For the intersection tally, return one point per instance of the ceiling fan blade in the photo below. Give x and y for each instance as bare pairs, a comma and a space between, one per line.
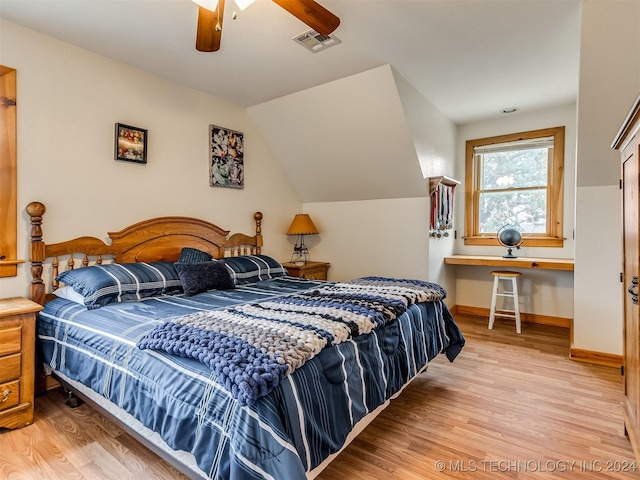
209, 31
311, 13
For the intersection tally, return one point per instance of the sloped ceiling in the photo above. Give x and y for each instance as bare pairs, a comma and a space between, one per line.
432, 133
471, 58
358, 136
344, 140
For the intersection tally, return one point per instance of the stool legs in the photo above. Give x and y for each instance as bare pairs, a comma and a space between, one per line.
494, 295
515, 313
516, 303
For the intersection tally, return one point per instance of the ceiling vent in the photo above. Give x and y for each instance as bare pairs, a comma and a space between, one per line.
314, 41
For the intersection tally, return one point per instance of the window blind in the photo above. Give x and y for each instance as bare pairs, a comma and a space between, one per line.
534, 143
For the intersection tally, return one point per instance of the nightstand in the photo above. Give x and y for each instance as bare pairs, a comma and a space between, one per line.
17, 361
310, 270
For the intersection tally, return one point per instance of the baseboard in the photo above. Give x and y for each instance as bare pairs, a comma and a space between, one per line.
524, 317
597, 358
577, 354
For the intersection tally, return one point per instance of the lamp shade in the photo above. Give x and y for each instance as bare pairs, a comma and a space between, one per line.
302, 225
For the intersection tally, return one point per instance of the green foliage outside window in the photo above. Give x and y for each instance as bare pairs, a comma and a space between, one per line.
514, 189
515, 180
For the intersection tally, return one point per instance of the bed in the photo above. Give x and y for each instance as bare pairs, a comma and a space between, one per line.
203, 348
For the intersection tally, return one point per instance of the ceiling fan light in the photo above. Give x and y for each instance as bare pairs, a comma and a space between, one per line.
242, 4
208, 4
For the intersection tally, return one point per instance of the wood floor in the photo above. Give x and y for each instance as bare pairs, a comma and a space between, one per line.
510, 407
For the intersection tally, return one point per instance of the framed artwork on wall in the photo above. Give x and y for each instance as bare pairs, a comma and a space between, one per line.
226, 162
131, 143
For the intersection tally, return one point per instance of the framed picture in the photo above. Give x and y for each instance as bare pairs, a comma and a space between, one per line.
131, 143
226, 165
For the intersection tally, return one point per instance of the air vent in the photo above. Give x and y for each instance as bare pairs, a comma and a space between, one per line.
314, 41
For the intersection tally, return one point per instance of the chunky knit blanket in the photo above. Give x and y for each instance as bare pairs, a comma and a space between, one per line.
251, 347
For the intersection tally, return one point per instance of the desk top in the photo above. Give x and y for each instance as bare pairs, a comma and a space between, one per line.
521, 262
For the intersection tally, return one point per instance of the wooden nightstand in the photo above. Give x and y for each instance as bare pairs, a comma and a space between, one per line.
17, 361
311, 270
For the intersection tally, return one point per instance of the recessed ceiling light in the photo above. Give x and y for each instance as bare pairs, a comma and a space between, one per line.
509, 110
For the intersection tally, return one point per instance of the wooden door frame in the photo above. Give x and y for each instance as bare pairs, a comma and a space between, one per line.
8, 173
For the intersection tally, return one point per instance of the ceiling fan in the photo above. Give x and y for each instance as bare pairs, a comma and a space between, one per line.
211, 12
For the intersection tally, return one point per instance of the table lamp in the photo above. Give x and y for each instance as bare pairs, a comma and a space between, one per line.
301, 226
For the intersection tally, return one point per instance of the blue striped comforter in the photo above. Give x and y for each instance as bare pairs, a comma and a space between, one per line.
284, 434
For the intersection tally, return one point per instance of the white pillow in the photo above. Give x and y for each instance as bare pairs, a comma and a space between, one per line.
69, 293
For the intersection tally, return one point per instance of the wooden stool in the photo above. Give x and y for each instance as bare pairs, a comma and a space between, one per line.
513, 293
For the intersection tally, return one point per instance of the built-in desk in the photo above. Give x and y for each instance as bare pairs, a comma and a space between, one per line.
520, 262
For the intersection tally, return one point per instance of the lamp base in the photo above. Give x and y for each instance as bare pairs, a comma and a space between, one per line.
300, 255
299, 259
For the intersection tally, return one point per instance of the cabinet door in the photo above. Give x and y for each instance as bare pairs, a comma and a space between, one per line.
631, 253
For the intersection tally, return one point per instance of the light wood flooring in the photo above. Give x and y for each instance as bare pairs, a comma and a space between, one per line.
510, 407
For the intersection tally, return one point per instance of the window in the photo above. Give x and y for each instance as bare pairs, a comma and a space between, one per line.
515, 180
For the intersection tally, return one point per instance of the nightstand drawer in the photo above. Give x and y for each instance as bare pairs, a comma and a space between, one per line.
309, 270
10, 367
17, 361
10, 340
315, 273
9, 394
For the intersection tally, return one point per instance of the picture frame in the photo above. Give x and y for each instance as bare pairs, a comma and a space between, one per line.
130, 143
226, 160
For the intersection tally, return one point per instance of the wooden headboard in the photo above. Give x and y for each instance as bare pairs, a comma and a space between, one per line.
153, 240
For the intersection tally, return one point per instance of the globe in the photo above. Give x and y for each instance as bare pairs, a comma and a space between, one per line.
510, 237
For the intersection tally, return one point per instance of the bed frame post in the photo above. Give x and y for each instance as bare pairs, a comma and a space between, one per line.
258, 218
36, 252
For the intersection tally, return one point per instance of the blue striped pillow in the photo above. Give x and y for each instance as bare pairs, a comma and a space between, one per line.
193, 255
253, 268
101, 285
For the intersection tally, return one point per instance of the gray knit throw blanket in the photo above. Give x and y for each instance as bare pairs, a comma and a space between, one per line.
251, 347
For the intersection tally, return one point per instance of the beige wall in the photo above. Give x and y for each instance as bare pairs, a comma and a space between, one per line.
609, 84
434, 140
68, 102
388, 235
543, 292
372, 237
333, 136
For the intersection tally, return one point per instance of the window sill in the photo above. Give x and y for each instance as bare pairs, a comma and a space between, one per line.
553, 242
520, 262
9, 268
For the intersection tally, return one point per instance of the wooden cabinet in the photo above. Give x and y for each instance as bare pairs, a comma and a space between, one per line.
310, 270
628, 142
17, 360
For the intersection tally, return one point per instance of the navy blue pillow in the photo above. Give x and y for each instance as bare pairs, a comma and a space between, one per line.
101, 285
202, 276
253, 268
193, 255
